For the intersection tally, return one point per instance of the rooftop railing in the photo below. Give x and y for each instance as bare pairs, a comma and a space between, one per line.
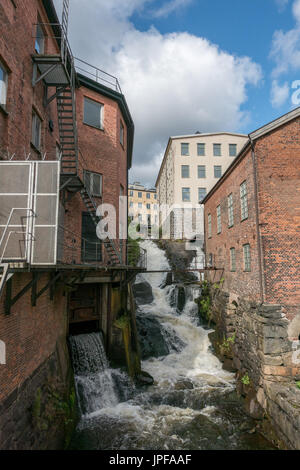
96, 74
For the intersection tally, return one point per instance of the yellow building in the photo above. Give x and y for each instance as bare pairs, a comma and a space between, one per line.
142, 204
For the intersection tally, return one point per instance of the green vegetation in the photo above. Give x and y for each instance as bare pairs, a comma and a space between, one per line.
204, 302
246, 379
298, 384
227, 343
219, 284
122, 322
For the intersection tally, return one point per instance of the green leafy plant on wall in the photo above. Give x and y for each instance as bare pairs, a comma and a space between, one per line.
298, 384
204, 302
227, 343
246, 379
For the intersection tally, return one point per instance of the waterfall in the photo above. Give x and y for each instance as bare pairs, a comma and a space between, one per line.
192, 404
93, 378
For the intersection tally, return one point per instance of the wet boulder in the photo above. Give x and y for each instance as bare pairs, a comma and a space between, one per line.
142, 292
151, 338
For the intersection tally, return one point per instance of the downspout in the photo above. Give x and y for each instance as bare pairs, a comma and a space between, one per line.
258, 234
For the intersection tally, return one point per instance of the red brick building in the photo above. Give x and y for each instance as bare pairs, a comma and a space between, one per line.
66, 144
252, 222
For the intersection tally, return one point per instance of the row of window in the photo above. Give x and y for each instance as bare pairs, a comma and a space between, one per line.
185, 171
147, 218
201, 150
140, 195
186, 194
230, 209
140, 205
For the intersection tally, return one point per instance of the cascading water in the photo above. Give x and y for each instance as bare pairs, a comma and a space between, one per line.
192, 404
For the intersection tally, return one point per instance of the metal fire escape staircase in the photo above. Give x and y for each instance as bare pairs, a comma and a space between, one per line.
59, 72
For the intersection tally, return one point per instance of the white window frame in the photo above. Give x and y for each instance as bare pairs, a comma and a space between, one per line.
36, 132
202, 146
90, 183
230, 211
188, 149
244, 200
230, 146
219, 219
198, 171
232, 260
209, 226
215, 167
183, 169
199, 194
101, 106
217, 146
3, 86
247, 257
189, 193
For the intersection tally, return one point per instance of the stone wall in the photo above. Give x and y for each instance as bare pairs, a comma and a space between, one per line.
252, 340
41, 413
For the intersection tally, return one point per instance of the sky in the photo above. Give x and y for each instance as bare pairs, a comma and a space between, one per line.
192, 65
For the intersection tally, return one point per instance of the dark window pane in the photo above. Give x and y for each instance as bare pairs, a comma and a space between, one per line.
92, 113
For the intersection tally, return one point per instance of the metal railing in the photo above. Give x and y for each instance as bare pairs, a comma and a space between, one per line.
15, 231
96, 74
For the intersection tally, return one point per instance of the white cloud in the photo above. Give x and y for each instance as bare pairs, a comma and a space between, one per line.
170, 7
285, 49
174, 83
279, 93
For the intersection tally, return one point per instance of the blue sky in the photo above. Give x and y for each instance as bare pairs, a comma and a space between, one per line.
191, 65
241, 27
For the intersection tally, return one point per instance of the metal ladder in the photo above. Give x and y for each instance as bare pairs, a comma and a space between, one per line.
66, 108
111, 250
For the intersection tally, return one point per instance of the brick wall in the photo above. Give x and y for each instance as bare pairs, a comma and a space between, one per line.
241, 283
16, 47
278, 167
30, 333
102, 153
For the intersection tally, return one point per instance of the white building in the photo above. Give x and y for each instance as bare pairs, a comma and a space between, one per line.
191, 166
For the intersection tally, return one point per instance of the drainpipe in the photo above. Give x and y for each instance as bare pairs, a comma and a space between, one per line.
258, 234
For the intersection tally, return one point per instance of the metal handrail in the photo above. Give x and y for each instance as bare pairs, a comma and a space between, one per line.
10, 217
7, 240
98, 74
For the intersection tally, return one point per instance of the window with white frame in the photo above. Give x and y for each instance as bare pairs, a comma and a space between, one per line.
201, 194
232, 260
186, 194
217, 150
140, 195
185, 149
148, 206
244, 200
247, 257
3, 85
217, 171
209, 225
201, 150
140, 205
201, 171
93, 113
39, 40
131, 193
148, 195
93, 183
131, 204
185, 171
219, 220
230, 210
232, 150
36, 130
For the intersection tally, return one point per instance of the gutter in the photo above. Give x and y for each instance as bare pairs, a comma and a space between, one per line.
258, 234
